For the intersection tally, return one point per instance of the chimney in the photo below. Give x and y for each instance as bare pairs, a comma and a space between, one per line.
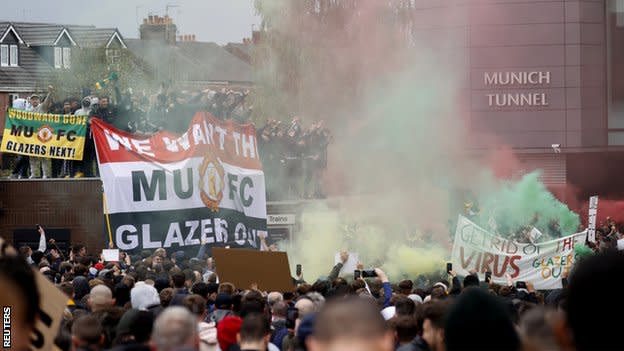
256, 37
158, 28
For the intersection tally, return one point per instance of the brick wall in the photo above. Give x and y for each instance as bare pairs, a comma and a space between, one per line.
74, 204
4, 102
64, 204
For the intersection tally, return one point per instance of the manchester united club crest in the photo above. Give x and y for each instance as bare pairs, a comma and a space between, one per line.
45, 133
211, 182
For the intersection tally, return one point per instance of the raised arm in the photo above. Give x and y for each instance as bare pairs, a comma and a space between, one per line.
42, 239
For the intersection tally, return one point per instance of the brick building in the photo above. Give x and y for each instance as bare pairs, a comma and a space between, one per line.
545, 78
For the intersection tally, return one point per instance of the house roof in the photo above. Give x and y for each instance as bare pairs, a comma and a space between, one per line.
217, 63
241, 50
37, 34
11, 29
46, 34
33, 73
191, 61
95, 37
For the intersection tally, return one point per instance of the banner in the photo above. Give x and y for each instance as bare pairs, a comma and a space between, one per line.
591, 219
179, 191
44, 135
543, 264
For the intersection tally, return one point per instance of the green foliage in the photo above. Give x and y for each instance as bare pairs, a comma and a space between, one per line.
90, 65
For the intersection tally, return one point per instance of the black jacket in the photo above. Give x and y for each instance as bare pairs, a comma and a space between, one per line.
130, 347
418, 344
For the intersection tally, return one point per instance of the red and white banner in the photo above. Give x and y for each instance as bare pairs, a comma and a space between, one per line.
169, 190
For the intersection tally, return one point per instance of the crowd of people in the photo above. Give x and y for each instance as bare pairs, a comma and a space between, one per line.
293, 156
166, 301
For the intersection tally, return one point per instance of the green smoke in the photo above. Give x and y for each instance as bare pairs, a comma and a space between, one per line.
516, 204
400, 152
324, 231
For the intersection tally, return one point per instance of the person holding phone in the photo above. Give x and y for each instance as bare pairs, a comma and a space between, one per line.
299, 275
455, 287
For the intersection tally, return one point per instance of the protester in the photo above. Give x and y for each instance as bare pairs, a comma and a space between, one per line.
38, 165
293, 158
352, 324
292, 154
131, 112
254, 333
20, 293
175, 329
207, 331
87, 334
225, 317
100, 298
583, 318
134, 331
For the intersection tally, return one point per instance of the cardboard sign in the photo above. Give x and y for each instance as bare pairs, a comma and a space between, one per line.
270, 270
110, 255
591, 219
349, 266
534, 234
51, 306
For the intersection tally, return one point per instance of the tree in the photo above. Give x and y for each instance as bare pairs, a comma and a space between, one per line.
91, 65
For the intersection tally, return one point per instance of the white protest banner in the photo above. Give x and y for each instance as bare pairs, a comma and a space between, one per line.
349, 266
110, 255
543, 264
591, 219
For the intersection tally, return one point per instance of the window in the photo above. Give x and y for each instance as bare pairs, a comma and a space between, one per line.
113, 56
4, 55
9, 55
13, 55
66, 57
62, 57
58, 57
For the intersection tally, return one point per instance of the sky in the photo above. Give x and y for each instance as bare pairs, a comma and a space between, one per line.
221, 21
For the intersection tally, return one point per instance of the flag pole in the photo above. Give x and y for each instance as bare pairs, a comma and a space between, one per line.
108, 227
